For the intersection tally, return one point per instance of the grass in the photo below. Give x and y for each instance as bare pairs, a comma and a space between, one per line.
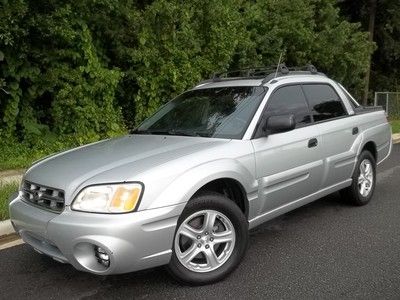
18, 161
395, 126
16, 155
20, 156
6, 190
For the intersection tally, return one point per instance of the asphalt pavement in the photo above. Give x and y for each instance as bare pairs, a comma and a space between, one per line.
325, 250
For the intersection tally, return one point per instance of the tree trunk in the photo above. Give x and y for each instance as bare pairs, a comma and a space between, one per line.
371, 26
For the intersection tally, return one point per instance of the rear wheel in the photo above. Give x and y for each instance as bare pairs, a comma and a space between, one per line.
210, 240
364, 179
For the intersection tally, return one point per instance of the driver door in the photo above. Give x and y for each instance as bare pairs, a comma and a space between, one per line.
289, 165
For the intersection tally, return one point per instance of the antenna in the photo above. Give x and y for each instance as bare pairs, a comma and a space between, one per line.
279, 63
8, 93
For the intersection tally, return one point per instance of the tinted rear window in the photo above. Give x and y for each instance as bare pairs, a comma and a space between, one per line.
324, 102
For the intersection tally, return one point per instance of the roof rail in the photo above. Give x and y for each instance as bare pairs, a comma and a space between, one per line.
250, 72
282, 70
266, 73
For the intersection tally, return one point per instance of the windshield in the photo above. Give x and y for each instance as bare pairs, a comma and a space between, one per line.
215, 112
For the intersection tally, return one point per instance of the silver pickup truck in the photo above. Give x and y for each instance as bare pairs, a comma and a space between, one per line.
184, 188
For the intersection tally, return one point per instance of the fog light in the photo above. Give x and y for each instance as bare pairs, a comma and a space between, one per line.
102, 256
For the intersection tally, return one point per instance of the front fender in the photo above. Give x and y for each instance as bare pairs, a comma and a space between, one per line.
188, 183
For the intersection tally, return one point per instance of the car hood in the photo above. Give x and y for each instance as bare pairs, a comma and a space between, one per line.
115, 160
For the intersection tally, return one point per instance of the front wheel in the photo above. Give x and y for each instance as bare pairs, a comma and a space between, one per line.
210, 240
364, 179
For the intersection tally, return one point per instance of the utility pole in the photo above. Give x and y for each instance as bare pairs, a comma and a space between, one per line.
371, 26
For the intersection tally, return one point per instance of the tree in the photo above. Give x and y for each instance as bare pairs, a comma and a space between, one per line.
91, 69
385, 61
52, 69
371, 28
310, 31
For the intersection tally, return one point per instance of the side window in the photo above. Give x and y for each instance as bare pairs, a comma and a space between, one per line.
324, 102
289, 100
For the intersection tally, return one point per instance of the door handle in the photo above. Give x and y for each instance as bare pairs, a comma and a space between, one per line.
312, 143
355, 131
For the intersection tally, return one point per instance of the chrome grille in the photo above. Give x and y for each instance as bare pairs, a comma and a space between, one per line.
43, 196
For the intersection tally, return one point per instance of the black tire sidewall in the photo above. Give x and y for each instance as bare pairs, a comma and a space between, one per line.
234, 214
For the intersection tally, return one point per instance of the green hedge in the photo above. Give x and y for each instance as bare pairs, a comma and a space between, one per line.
91, 69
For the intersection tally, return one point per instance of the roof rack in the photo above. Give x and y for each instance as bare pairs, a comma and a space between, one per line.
265, 73
251, 72
282, 70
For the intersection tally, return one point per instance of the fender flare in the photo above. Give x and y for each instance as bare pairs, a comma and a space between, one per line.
187, 184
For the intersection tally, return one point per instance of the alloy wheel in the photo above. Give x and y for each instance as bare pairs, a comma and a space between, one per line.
366, 178
204, 241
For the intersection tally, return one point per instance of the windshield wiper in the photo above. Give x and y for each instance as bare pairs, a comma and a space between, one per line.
183, 133
166, 132
137, 131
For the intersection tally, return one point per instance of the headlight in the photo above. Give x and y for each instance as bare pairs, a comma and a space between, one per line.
109, 198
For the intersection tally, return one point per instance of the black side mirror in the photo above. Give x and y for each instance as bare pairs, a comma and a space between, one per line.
282, 123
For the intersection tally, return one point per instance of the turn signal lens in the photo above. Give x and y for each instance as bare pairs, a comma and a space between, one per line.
125, 199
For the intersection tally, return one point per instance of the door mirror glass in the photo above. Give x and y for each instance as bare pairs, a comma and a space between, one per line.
282, 123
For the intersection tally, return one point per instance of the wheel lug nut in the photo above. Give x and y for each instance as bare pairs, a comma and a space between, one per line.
198, 237
206, 233
207, 246
199, 245
211, 239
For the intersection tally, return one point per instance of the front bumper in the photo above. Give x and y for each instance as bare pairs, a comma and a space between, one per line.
133, 241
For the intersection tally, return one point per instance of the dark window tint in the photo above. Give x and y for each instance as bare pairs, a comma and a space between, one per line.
289, 100
324, 102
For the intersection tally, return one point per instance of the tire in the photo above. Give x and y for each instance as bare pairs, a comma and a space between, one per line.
203, 268
354, 194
